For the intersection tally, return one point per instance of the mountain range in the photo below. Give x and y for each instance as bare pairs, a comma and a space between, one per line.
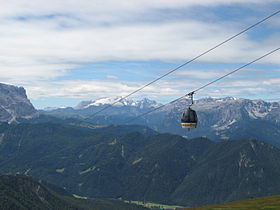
218, 119
84, 154
118, 102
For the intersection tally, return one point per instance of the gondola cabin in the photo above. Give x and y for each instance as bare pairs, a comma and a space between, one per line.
189, 119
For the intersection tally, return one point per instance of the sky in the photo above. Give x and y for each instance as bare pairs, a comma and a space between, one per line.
66, 51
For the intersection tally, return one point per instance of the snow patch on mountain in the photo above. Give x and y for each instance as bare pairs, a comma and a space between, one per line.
119, 102
260, 109
224, 126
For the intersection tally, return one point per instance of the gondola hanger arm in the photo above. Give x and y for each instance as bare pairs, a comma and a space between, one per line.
191, 96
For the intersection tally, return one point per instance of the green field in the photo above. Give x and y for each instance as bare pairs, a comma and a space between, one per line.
155, 205
270, 202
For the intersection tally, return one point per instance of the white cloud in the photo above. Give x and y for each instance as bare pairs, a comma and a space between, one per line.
42, 40
112, 77
105, 6
93, 89
200, 73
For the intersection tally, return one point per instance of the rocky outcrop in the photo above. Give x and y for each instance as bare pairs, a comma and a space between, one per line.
14, 104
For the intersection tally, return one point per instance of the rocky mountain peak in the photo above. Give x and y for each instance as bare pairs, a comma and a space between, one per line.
14, 104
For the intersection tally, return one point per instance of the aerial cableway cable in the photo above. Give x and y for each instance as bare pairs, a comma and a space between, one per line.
188, 62
204, 86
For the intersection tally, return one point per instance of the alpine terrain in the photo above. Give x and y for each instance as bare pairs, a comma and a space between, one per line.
112, 162
219, 119
86, 156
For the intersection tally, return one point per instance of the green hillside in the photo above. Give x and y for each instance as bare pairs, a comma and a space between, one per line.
270, 202
23, 193
130, 163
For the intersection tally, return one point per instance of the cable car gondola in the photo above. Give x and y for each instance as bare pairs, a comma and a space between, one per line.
189, 118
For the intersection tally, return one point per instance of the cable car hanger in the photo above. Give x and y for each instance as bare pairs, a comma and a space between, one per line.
189, 117
191, 96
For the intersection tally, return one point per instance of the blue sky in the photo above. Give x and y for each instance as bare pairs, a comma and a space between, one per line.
63, 52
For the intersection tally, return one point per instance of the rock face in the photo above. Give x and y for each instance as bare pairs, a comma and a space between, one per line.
14, 104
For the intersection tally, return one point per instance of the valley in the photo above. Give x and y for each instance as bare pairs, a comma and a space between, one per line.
135, 165
21, 192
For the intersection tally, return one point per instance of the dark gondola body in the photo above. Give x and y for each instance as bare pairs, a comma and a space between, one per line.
189, 119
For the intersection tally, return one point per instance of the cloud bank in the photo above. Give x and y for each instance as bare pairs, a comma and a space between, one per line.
42, 41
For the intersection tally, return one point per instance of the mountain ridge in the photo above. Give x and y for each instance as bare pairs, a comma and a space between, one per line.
23, 193
218, 119
14, 104
118, 101
162, 168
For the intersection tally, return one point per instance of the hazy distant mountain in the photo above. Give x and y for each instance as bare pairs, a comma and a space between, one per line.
14, 104
89, 107
141, 104
119, 112
219, 119
115, 162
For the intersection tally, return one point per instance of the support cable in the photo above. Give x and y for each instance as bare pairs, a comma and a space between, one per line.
204, 86
184, 64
